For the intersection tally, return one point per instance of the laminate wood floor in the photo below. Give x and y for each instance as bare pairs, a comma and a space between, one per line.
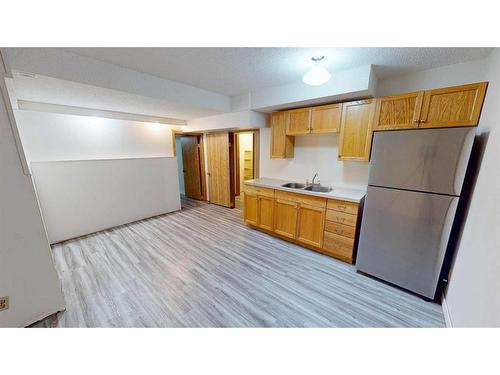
202, 267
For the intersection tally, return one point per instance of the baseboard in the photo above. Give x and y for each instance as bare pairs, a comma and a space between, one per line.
446, 313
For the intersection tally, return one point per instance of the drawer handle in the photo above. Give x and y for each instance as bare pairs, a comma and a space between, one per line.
343, 208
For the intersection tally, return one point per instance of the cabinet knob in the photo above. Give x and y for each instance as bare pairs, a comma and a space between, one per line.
421, 121
416, 121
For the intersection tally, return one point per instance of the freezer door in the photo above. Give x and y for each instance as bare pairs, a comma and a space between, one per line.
403, 237
431, 160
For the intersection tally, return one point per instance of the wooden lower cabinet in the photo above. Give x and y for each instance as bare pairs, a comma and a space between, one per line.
250, 207
285, 218
341, 227
339, 246
310, 224
328, 226
265, 212
259, 207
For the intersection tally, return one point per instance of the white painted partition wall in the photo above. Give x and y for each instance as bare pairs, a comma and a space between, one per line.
27, 273
82, 197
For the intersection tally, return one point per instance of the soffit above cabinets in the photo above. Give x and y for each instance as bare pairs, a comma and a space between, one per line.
347, 85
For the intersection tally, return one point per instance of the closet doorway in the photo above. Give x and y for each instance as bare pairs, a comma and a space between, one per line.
191, 165
246, 165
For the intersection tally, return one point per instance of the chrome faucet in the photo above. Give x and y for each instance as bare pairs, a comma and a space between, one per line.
314, 178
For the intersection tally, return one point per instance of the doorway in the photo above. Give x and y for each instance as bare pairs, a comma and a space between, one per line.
246, 161
220, 164
232, 158
191, 165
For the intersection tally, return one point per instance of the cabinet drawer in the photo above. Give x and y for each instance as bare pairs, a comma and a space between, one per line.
343, 206
258, 191
338, 245
301, 198
340, 229
341, 217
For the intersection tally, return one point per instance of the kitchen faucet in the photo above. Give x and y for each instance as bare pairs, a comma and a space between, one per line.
314, 178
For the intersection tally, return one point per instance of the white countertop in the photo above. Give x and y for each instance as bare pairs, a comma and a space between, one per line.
345, 194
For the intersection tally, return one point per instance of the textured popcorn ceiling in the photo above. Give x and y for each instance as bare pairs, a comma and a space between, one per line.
234, 71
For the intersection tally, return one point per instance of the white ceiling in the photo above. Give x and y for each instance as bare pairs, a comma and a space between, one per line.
234, 71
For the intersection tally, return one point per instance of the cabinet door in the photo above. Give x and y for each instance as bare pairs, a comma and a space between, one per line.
326, 118
285, 218
356, 130
310, 225
281, 144
299, 121
398, 111
453, 106
250, 209
266, 212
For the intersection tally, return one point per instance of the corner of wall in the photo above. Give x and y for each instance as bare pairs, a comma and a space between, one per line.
446, 313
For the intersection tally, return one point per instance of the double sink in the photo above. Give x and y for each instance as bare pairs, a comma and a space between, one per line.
315, 187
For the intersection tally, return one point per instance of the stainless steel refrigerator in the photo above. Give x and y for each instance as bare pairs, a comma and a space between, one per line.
415, 181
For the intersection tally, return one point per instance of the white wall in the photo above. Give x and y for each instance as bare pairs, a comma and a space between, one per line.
79, 192
50, 136
231, 120
451, 75
81, 197
27, 273
473, 294
313, 153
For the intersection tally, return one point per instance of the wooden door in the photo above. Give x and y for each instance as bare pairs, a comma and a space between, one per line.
398, 111
326, 118
299, 121
310, 224
355, 130
285, 218
266, 212
453, 106
219, 169
250, 208
281, 144
191, 167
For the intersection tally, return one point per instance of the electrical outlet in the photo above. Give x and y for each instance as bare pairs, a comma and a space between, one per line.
4, 303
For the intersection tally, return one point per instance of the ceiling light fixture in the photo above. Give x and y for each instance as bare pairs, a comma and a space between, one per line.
317, 75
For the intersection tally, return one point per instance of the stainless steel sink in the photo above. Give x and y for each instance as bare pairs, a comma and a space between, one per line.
294, 185
319, 189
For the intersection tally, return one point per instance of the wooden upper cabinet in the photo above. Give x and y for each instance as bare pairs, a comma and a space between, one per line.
281, 145
326, 118
356, 130
398, 111
453, 106
299, 121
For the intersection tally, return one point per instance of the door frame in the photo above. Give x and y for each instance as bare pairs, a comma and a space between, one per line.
236, 157
201, 157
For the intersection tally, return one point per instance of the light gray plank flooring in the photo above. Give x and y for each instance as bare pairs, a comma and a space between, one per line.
202, 267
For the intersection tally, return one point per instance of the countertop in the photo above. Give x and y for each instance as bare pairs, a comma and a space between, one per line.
345, 194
